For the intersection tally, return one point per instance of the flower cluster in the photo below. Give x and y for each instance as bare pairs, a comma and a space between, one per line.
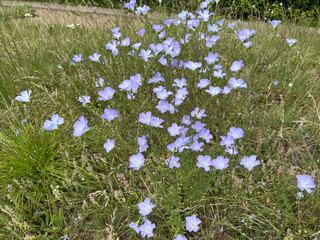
146, 229
191, 132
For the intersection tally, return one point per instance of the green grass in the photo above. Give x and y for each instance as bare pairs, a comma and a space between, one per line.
48, 179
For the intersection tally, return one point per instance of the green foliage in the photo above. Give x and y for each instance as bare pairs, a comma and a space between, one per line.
279, 10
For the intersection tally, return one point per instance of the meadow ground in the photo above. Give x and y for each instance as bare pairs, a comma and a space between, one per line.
55, 185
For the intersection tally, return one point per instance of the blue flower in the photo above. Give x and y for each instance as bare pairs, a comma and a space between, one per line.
171, 47
130, 4
24, 96
142, 10
250, 162
141, 32
156, 79
221, 21
275, 23
204, 162
174, 130
203, 83
236, 133
227, 141
247, 44
147, 229
145, 207
95, 57
145, 118
226, 90
145, 55
237, 83
158, 28
180, 237
179, 82
80, 127
192, 223
291, 41
84, 99
125, 42
109, 145
220, 163
185, 14
77, 58
212, 40
213, 28
305, 183
197, 114
110, 114
193, 23
236, 66
219, 73
163, 60
244, 34
161, 92
196, 146
156, 48
106, 94
198, 126
136, 161
116, 34
205, 4
205, 135
164, 106
156, 122
186, 120
162, 34
217, 67
132, 84
173, 162
232, 25
131, 53
134, 226
193, 65
213, 91
115, 30
205, 15
174, 62
231, 150
136, 45
113, 47
54, 123
142, 142
212, 58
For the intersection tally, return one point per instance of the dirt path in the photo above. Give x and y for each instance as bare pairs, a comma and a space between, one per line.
66, 14
66, 8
